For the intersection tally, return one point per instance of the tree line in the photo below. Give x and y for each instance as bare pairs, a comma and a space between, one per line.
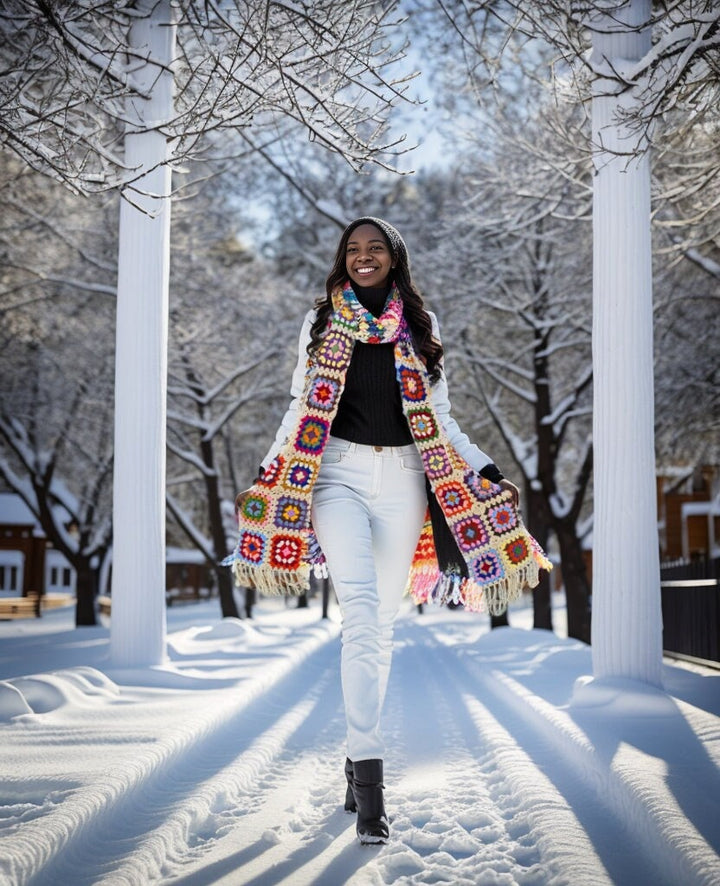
500, 235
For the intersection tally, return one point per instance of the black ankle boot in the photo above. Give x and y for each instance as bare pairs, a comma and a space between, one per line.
372, 823
349, 796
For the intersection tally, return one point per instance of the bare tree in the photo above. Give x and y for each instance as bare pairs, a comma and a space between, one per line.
230, 338
255, 70
35, 456
56, 365
642, 60
204, 403
687, 371
680, 66
516, 309
172, 80
198, 435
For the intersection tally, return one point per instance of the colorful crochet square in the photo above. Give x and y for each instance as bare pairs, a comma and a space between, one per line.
291, 513
470, 533
422, 424
286, 552
311, 435
323, 394
412, 386
437, 464
346, 317
517, 550
300, 474
251, 546
453, 498
254, 508
487, 568
502, 518
481, 488
335, 351
272, 472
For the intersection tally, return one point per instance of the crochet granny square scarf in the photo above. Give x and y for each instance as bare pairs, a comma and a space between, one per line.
276, 547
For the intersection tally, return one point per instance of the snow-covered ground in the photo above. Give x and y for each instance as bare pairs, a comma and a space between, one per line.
506, 764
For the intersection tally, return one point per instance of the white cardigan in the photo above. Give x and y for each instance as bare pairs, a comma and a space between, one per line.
439, 396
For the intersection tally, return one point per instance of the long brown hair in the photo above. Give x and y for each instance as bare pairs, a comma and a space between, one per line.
428, 348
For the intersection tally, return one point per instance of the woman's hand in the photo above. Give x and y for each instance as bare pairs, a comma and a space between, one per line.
511, 487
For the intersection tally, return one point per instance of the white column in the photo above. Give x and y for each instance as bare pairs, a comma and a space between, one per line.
138, 626
626, 614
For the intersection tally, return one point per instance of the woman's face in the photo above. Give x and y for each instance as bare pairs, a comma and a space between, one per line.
367, 257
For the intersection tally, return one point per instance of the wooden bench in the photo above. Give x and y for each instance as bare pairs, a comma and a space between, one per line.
56, 601
104, 604
20, 607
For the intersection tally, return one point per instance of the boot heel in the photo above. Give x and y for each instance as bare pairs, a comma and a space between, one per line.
350, 805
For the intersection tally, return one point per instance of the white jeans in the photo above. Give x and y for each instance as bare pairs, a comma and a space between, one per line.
368, 508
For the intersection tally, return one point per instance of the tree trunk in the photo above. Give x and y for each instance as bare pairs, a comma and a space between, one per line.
85, 591
627, 625
577, 588
542, 601
537, 525
250, 600
138, 626
539, 508
228, 606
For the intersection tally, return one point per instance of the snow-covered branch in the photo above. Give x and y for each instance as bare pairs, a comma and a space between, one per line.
256, 395
225, 383
185, 522
72, 283
517, 447
189, 420
69, 72
582, 479
191, 458
707, 264
523, 393
49, 499
565, 409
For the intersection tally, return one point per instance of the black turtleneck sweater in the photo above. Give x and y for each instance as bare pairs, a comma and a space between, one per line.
370, 409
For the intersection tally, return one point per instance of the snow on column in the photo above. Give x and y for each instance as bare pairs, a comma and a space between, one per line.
626, 617
138, 626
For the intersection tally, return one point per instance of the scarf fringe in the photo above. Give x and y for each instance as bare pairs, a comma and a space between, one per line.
273, 582
431, 586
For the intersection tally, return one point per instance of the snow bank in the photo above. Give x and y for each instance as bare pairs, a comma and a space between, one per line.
506, 763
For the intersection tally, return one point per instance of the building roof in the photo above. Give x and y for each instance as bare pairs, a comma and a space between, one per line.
14, 511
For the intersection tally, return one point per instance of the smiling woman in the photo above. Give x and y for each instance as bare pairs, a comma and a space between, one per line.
368, 257
370, 477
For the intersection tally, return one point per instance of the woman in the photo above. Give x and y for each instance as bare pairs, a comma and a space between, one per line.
365, 452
